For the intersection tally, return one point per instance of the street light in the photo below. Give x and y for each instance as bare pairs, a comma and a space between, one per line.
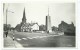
6, 21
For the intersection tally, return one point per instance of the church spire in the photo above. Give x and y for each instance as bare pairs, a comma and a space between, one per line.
48, 11
24, 17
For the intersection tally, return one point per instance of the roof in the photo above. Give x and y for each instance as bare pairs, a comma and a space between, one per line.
29, 24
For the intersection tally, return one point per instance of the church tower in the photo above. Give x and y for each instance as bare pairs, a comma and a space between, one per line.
48, 23
23, 23
24, 17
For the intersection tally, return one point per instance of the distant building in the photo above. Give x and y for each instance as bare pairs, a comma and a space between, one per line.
26, 27
67, 28
34, 27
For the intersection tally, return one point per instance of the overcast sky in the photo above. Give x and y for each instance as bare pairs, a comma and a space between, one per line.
37, 11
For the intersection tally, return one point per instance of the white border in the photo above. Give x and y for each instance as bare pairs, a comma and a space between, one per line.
55, 1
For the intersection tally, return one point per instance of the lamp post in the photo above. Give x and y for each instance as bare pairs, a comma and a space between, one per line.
6, 21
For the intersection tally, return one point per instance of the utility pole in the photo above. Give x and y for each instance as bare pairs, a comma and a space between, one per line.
6, 23
6, 18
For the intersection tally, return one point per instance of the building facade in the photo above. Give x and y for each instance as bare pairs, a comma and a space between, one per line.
26, 27
68, 29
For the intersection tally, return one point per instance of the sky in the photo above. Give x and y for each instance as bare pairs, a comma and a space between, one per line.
37, 12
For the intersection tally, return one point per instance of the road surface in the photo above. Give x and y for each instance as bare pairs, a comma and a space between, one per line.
42, 39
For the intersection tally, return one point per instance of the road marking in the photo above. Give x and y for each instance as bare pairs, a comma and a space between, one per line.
24, 38
29, 37
56, 35
45, 36
18, 39
36, 37
40, 37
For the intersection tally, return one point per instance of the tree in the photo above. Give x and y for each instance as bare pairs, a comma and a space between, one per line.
7, 27
42, 27
54, 28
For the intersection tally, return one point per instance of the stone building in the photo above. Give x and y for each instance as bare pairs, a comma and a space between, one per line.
68, 29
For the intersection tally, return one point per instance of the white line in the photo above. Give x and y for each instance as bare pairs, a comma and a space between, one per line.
44, 36
39, 37
18, 39
29, 38
56, 35
35, 37
24, 38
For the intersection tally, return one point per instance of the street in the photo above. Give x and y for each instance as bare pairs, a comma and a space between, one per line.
42, 39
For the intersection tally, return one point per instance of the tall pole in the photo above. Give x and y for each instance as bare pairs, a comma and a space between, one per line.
6, 24
6, 20
6, 17
3, 7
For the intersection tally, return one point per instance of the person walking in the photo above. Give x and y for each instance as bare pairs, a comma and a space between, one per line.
6, 33
13, 34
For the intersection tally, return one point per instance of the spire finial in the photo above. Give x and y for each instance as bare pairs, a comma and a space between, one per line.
48, 10
24, 16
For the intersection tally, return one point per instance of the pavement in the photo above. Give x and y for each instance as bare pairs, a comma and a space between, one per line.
9, 43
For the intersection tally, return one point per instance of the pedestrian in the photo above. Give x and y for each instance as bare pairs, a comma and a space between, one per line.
6, 33
13, 34
13, 37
